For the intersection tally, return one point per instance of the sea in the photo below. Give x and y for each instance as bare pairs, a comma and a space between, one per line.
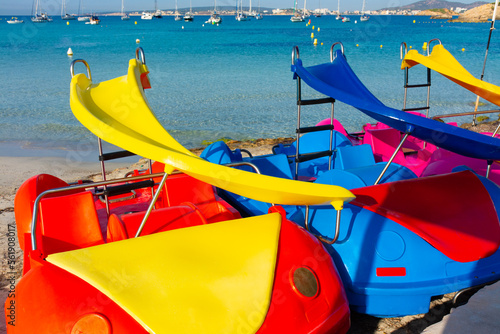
228, 81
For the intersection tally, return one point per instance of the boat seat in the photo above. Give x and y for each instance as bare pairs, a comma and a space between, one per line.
348, 157
384, 142
273, 165
182, 188
69, 222
125, 226
452, 212
220, 153
314, 142
365, 175
342, 178
25, 198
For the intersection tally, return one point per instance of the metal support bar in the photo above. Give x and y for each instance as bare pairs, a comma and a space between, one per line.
469, 113
488, 169
36, 205
391, 159
496, 131
331, 137
299, 99
151, 205
337, 227
103, 173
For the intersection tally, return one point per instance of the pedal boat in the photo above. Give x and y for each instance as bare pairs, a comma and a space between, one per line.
404, 239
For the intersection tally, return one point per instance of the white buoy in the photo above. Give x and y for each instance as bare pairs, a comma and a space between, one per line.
70, 52
182, 27
138, 41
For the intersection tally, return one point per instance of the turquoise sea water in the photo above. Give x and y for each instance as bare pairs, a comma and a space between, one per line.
209, 82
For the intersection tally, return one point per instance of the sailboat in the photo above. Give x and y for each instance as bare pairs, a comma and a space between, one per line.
157, 14
259, 16
81, 16
305, 12
188, 17
296, 17
363, 17
125, 16
318, 13
251, 13
240, 16
215, 18
338, 12
37, 15
64, 14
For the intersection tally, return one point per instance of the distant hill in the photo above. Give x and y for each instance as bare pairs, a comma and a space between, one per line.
432, 4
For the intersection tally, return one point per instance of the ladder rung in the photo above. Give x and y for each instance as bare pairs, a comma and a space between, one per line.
314, 128
311, 156
416, 109
315, 101
418, 86
115, 155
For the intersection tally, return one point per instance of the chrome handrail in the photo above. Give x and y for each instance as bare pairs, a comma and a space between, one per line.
244, 163
401, 55
332, 47
140, 52
295, 54
337, 227
72, 68
429, 44
36, 205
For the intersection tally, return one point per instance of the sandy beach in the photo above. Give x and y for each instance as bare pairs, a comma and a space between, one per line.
15, 170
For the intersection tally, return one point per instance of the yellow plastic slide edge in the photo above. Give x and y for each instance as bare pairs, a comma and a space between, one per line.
95, 106
441, 61
215, 278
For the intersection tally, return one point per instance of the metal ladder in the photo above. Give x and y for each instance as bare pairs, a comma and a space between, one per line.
403, 51
300, 130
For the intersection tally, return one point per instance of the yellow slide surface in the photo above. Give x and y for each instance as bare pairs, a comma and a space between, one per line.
441, 61
214, 278
117, 111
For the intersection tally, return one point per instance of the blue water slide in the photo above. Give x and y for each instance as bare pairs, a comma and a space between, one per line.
337, 80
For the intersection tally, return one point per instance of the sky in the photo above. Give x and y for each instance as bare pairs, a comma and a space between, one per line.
53, 7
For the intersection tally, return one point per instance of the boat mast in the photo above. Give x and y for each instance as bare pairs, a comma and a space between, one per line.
122, 7
363, 8
485, 57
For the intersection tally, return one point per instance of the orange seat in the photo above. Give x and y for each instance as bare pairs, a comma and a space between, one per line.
181, 188
25, 199
68, 222
125, 226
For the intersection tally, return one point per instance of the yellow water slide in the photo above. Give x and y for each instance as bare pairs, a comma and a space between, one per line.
117, 111
441, 61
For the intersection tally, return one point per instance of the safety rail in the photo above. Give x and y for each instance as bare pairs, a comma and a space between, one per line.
323, 239
62, 190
